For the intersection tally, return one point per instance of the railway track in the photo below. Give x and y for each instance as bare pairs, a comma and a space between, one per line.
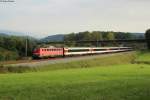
44, 62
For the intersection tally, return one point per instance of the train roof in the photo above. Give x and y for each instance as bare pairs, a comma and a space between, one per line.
82, 47
93, 47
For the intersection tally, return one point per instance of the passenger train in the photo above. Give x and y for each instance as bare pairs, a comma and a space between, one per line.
72, 51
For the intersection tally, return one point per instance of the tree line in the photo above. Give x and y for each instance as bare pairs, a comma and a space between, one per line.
98, 36
13, 47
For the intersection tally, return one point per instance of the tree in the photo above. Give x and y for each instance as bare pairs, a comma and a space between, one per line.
96, 36
147, 35
110, 36
13, 47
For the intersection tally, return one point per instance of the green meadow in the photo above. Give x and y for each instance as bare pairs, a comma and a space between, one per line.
115, 78
143, 57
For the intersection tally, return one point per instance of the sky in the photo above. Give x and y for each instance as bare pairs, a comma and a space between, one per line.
40, 18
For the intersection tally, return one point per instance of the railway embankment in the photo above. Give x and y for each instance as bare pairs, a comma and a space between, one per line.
74, 62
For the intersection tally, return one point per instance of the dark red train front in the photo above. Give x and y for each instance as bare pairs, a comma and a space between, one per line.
47, 52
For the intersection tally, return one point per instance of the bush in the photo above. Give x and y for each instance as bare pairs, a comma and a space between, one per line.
8, 55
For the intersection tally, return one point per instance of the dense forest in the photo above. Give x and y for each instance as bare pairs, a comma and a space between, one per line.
98, 36
13, 47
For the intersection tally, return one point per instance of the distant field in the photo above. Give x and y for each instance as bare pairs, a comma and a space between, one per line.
109, 80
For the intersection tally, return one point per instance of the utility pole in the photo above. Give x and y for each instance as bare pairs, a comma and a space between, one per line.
26, 49
97, 41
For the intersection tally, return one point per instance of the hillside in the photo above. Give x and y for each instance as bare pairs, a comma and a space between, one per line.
60, 37
7, 32
57, 38
13, 47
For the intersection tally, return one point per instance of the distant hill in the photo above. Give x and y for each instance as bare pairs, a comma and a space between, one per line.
2, 34
6, 32
53, 38
18, 34
60, 37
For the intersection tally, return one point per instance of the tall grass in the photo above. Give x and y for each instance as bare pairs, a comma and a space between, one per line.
124, 58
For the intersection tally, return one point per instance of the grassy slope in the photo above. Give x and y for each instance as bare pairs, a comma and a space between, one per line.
124, 58
143, 57
116, 82
121, 82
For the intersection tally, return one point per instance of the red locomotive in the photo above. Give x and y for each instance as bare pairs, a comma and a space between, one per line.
55, 52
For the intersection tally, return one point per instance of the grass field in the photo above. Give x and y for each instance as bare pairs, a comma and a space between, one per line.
122, 82
110, 82
143, 57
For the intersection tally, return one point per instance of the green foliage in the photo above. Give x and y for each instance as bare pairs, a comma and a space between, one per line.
147, 35
110, 36
7, 55
143, 57
14, 47
70, 39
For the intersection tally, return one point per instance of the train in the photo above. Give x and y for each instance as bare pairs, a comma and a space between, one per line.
74, 51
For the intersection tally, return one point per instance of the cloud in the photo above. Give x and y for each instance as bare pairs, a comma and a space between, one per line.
46, 17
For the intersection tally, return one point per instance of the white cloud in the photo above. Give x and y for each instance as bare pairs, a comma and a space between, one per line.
46, 17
